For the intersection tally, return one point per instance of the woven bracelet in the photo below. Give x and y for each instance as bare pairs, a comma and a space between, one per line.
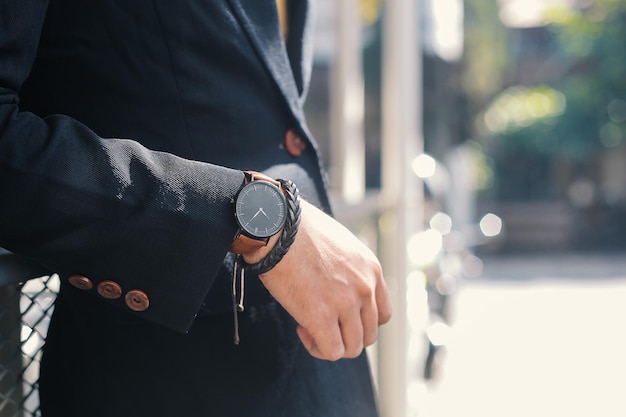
287, 237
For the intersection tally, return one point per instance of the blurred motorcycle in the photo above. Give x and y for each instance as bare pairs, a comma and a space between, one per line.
445, 248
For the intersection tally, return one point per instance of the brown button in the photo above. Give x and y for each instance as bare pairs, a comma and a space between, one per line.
294, 144
137, 300
110, 290
81, 282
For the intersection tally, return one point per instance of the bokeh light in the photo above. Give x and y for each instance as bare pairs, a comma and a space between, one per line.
490, 225
441, 222
424, 247
424, 166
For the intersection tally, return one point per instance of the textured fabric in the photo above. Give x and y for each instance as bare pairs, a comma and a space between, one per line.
120, 368
124, 127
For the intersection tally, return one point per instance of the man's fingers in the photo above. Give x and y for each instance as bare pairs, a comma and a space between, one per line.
383, 302
352, 334
354, 331
306, 339
309, 343
369, 317
325, 344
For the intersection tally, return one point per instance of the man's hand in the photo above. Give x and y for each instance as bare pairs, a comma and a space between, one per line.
332, 285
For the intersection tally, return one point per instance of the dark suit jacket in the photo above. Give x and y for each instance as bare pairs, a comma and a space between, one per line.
124, 127
185, 81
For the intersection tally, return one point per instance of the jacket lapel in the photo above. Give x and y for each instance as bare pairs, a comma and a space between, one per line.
299, 44
268, 42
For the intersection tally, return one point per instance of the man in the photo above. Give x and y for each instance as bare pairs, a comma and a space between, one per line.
125, 128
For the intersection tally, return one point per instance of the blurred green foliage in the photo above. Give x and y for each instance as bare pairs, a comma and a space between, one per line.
578, 104
487, 56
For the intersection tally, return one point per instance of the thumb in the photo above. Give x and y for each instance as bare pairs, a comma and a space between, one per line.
305, 338
308, 341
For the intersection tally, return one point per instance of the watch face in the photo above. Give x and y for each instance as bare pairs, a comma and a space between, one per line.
260, 209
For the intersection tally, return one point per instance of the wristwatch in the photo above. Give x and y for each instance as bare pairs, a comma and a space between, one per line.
260, 210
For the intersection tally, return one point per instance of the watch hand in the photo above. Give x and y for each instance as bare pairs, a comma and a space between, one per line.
260, 210
263, 212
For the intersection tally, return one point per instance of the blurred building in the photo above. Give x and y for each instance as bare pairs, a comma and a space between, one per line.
554, 126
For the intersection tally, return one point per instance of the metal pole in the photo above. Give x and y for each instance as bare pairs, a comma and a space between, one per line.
399, 371
347, 105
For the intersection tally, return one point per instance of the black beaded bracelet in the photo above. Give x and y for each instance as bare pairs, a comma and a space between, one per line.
287, 237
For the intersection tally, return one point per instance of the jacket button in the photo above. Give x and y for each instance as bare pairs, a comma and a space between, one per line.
81, 282
294, 144
137, 300
110, 290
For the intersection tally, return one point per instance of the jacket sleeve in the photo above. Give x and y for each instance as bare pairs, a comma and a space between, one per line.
108, 209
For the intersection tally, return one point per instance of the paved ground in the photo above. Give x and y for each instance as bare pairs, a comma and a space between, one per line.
540, 337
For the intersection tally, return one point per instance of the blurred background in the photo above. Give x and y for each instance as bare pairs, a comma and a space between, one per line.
479, 146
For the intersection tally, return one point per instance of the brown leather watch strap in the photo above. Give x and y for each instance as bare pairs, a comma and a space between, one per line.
254, 176
243, 244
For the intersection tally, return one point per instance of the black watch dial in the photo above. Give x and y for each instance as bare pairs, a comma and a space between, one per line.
260, 209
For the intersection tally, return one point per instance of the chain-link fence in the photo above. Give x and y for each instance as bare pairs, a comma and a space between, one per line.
25, 309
